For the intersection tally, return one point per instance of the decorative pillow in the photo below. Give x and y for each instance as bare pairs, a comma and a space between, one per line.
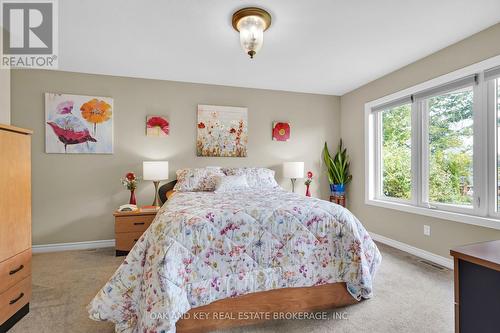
197, 179
256, 177
231, 184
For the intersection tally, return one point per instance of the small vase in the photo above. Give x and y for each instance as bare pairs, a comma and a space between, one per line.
132, 200
308, 194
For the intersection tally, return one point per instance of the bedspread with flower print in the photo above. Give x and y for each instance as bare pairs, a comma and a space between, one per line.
203, 247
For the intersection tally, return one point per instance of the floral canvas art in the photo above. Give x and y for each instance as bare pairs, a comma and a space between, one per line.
76, 124
222, 131
281, 131
157, 126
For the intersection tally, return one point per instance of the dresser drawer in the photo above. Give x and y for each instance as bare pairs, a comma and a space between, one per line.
126, 240
133, 223
14, 298
15, 269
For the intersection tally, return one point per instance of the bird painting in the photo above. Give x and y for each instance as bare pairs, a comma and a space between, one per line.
67, 117
69, 129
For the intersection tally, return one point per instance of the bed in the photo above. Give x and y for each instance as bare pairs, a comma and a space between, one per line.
213, 260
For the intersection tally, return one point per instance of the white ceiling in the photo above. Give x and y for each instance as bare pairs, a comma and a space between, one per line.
318, 46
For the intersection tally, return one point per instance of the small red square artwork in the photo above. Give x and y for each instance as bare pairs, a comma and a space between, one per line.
281, 131
157, 126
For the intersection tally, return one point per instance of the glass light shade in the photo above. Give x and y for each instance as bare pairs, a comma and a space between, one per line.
251, 30
293, 169
155, 170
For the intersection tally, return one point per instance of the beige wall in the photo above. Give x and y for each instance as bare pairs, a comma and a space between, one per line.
74, 195
405, 227
4, 96
4, 91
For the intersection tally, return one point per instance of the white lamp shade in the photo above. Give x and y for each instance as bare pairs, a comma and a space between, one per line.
155, 170
293, 169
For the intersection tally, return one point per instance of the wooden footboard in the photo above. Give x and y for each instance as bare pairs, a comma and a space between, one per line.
261, 306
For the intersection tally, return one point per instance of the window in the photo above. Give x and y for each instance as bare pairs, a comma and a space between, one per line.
434, 149
396, 152
450, 147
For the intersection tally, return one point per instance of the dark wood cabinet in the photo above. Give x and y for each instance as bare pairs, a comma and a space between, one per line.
477, 287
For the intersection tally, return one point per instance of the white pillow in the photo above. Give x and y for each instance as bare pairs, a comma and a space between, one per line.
259, 178
231, 184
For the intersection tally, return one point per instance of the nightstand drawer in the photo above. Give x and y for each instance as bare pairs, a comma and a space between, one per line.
14, 298
126, 240
133, 223
15, 269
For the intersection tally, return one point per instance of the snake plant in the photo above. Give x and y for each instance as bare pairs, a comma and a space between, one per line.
338, 166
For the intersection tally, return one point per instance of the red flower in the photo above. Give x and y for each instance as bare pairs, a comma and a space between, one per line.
309, 174
281, 132
130, 176
160, 122
201, 125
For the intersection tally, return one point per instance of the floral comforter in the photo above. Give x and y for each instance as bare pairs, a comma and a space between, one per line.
204, 247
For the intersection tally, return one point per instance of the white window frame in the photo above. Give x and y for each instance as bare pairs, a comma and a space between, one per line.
484, 212
493, 139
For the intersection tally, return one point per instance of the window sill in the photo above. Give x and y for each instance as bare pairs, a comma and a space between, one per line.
487, 222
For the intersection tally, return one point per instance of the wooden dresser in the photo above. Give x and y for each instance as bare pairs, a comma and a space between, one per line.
15, 224
477, 287
129, 227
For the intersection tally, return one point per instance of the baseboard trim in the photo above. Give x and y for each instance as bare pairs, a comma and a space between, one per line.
448, 263
73, 246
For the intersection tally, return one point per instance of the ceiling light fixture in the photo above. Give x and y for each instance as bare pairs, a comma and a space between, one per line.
251, 22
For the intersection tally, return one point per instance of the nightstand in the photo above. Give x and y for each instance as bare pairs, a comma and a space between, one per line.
129, 227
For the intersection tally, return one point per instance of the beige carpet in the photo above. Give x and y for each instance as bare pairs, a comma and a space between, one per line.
409, 297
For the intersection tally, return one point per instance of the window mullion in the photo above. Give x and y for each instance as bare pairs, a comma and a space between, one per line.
378, 155
424, 154
480, 156
415, 154
489, 103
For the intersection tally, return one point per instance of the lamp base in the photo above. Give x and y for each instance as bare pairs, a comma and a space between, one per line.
293, 184
156, 202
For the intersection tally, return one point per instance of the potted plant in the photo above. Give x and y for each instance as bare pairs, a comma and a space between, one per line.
130, 182
308, 183
337, 169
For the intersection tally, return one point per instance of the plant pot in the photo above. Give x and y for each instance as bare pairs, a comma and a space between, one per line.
338, 194
337, 188
340, 188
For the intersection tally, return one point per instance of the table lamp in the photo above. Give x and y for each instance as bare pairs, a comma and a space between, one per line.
293, 170
155, 171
